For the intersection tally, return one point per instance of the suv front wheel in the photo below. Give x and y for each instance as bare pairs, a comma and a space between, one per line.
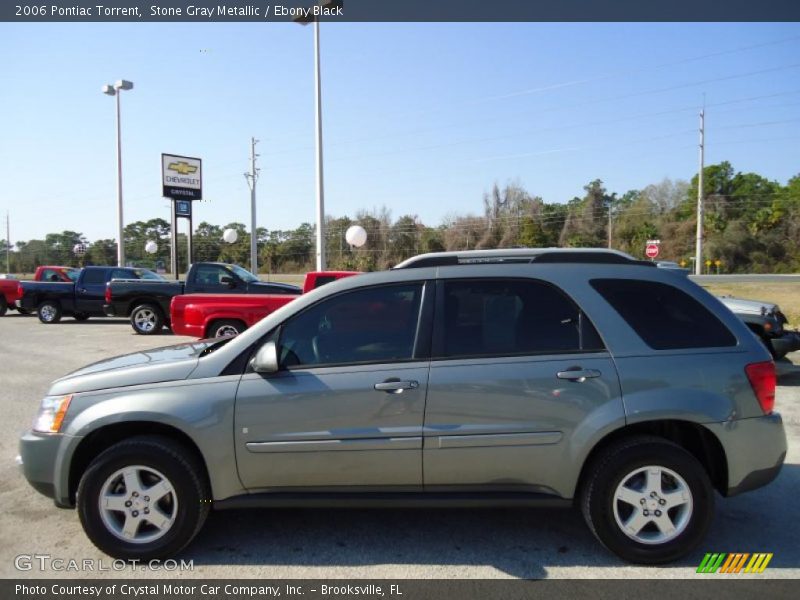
143, 498
648, 500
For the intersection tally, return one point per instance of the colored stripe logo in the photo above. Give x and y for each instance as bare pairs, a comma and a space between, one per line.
732, 563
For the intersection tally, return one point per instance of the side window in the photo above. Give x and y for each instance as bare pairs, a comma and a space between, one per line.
506, 317
663, 316
371, 325
50, 275
211, 275
94, 277
123, 274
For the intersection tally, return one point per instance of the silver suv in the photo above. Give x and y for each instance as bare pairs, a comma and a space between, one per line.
509, 377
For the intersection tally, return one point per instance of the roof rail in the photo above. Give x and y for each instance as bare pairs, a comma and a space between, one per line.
522, 255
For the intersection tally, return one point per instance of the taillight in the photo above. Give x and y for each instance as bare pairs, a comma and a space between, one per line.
108, 293
762, 380
20, 290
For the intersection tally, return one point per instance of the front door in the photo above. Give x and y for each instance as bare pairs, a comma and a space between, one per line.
346, 408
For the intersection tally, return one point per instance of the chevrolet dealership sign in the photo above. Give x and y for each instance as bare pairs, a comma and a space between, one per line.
182, 177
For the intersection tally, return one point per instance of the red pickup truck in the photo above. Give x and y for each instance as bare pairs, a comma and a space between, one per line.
218, 315
10, 289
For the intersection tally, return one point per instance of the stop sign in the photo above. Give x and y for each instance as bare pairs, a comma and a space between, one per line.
651, 250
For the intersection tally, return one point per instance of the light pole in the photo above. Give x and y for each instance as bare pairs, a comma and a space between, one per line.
329, 4
116, 90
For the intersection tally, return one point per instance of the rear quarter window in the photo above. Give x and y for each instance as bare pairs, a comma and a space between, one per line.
665, 317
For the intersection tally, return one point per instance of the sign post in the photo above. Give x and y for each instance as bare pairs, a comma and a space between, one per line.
652, 248
182, 182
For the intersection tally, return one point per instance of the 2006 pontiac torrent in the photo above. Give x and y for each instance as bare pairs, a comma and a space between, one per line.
507, 377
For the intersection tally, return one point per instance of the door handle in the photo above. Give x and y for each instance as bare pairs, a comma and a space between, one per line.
395, 386
578, 374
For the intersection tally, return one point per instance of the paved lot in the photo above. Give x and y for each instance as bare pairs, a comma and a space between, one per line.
353, 543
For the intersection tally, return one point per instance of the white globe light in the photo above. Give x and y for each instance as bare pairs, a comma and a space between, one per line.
230, 236
356, 236
79, 249
151, 247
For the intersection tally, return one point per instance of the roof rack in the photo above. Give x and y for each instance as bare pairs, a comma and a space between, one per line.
522, 255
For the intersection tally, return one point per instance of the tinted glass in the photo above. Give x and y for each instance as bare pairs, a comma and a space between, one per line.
372, 325
244, 274
147, 274
211, 275
94, 276
123, 274
663, 316
73, 275
50, 275
511, 317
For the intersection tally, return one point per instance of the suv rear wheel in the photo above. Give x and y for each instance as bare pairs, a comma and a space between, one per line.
648, 500
143, 498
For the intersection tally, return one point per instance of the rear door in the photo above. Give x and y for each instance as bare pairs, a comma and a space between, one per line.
346, 408
91, 288
516, 370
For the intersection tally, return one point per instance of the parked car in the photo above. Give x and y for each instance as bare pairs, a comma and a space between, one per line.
764, 319
11, 291
767, 322
218, 315
146, 303
514, 377
80, 299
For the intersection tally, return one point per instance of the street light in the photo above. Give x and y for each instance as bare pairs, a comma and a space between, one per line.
329, 4
116, 90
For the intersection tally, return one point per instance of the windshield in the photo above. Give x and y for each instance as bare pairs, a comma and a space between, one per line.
147, 274
243, 274
72, 274
215, 346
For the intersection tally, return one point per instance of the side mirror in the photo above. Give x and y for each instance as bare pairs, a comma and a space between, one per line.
229, 281
266, 359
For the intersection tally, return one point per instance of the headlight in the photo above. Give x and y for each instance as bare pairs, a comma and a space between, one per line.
51, 414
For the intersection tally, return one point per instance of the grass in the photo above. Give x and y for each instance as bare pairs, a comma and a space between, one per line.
785, 295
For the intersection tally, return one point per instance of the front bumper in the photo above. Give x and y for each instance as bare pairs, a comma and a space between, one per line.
755, 450
37, 461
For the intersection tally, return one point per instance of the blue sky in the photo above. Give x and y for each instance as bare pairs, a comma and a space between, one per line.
422, 118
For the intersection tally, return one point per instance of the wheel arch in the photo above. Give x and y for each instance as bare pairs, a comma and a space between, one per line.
699, 441
106, 436
217, 317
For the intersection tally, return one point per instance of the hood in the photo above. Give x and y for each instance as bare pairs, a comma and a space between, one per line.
740, 305
148, 366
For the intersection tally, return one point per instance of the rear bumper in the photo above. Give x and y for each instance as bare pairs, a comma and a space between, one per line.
755, 450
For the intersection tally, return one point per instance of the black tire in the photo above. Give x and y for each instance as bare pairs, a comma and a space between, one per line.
614, 465
180, 468
80, 317
225, 327
49, 312
3, 306
147, 319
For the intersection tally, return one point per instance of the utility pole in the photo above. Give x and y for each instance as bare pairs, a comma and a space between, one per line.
251, 178
320, 184
609, 224
698, 252
8, 243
